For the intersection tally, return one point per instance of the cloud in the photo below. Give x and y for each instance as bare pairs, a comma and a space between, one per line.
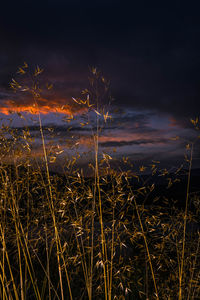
153, 64
133, 142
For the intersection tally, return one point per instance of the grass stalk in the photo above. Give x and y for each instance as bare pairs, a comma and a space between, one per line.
97, 180
180, 295
58, 245
147, 248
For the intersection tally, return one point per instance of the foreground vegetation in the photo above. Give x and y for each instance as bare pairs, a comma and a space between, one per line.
110, 236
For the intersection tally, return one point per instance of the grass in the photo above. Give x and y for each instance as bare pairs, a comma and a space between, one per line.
67, 236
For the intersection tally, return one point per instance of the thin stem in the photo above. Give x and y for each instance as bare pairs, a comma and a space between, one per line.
147, 248
58, 244
185, 223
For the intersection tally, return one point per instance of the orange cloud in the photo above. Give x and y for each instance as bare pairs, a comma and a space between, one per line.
173, 122
44, 107
122, 136
141, 138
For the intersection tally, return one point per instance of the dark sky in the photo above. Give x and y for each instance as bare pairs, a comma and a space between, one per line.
150, 50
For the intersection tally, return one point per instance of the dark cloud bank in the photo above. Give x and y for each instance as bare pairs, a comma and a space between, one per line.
149, 51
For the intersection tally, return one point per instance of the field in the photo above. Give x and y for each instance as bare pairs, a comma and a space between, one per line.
116, 234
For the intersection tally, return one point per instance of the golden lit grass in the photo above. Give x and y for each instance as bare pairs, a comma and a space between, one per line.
71, 237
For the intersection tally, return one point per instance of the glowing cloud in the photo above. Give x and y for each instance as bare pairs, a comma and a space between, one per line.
44, 106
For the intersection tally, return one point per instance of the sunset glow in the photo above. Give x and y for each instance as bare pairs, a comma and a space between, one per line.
43, 107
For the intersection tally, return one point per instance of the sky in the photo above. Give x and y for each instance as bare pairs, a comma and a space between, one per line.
149, 50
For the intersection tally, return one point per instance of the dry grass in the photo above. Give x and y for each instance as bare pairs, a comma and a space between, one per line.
71, 237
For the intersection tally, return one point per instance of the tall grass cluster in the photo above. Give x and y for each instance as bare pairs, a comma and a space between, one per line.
68, 236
